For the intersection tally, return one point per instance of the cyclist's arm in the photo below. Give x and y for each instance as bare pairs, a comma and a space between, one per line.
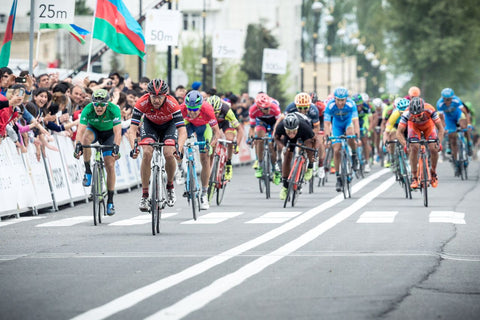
400, 134
216, 134
182, 137
441, 131
117, 132
467, 114
80, 132
240, 134
327, 128
135, 122
356, 126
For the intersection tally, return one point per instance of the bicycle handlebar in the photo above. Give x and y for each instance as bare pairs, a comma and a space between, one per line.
289, 144
391, 141
97, 146
342, 137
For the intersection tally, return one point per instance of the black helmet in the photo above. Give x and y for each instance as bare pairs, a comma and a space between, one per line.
100, 96
291, 122
416, 105
194, 99
157, 87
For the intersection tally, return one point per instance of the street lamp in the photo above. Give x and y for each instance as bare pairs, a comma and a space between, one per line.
204, 51
341, 33
317, 9
302, 46
329, 19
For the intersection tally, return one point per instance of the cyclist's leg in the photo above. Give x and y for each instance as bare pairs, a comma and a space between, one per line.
204, 133
462, 122
260, 131
286, 167
107, 138
230, 134
451, 127
430, 133
89, 137
413, 135
168, 135
353, 145
148, 132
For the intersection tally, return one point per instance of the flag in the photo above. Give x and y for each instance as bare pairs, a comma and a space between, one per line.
7, 40
115, 26
78, 33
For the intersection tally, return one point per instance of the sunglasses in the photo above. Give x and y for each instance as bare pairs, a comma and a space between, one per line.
447, 99
303, 107
287, 131
193, 109
99, 104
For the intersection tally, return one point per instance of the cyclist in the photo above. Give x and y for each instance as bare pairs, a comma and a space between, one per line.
200, 119
321, 133
263, 115
295, 126
365, 118
453, 113
392, 124
341, 117
162, 122
421, 118
230, 126
413, 92
100, 121
377, 120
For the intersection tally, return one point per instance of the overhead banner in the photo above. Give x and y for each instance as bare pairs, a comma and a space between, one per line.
274, 61
227, 44
162, 27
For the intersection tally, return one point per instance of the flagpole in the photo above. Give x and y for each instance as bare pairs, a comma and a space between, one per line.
38, 43
91, 40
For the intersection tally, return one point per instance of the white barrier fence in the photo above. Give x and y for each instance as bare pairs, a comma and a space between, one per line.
27, 184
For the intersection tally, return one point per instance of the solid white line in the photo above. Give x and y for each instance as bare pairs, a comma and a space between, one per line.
130, 299
17, 220
377, 217
275, 217
68, 222
199, 299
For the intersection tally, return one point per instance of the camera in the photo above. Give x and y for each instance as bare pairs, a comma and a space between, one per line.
20, 80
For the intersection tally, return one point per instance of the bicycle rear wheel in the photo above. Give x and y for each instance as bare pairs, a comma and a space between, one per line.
425, 181
404, 176
221, 191
193, 190
155, 201
212, 182
297, 188
344, 174
97, 194
291, 182
266, 173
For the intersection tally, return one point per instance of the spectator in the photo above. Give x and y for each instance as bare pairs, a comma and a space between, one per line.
143, 83
180, 93
7, 79
43, 81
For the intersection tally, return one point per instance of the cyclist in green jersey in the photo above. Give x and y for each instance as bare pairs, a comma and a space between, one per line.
100, 121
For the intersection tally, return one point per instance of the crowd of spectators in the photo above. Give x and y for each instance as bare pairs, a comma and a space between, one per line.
33, 108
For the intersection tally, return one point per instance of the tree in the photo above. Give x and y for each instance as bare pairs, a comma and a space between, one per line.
259, 38
437, 42
81, 8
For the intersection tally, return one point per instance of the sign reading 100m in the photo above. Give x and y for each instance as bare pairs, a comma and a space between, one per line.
54, 11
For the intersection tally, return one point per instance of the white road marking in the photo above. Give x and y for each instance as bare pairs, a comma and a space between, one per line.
447, 217
68, 222
377, 217
130, 299
199, 299
141, 219
18, 220
213, 218
275, 217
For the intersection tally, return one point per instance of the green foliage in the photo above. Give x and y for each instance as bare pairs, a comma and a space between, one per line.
81, 8
259, 38
437, 42
229, 77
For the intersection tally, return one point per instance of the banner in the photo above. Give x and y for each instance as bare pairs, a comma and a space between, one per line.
274, 61
162, 27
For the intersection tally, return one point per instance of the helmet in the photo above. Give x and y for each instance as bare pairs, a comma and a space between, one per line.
303, 100
447, 93
291, 122
414, 92
194, 99
157, 87
358, 99
100, 96
385, 97
262, 100
416, 105
403, 104
314, 97
396, 101
216, 102
377, 103
340, 93
365, 97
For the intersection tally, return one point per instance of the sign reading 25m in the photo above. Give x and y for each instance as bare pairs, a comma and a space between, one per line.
54, 11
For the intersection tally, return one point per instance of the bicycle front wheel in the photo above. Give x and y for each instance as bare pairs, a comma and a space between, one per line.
213, 178
221, 191
97, 194
155, 201
425, 181
266, 172
297, 188
193, 189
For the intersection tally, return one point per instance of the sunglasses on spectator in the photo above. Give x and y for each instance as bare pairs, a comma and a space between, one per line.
99, 104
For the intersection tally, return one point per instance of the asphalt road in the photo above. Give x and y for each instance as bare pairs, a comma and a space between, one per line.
374, 256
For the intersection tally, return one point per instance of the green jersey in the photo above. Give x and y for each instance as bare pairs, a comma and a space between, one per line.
106, 121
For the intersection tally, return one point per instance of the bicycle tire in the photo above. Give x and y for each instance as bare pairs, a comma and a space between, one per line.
155, 201
193, 192
96, 195
461, 159
425, 180
292, 175
298, 184
266, 172
404, 176
212, 182
221, 191
343, 173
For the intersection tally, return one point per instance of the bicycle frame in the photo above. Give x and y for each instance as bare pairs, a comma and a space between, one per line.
267, 164
346, 171
402, 169
217, 181
462, 157
423, 167
192, 187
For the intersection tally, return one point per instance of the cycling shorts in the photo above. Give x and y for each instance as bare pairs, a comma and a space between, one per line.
104, 138
266, 126
158, 133
415, 132
339, 128
226, 126
203, 133
452, 118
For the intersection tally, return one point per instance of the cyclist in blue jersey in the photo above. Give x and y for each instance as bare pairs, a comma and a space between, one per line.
453, 113
341, 117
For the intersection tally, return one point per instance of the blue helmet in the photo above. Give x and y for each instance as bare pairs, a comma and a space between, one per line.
194, 99
447, 93
340, 93
403, 104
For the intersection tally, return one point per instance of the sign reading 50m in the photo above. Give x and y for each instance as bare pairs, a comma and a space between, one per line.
54, 11
162, 27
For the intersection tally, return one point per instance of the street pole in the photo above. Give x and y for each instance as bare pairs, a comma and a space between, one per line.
314, 56
302, 45
169, 57
32, 25
140, 59
204, 58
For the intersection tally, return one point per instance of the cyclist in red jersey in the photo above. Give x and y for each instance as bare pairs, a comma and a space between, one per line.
421, 117
162, 122
263, 115
200, 119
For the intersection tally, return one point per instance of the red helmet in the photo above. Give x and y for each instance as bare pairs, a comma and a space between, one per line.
262, 100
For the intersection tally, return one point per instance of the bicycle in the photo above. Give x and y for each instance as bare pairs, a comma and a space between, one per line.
296, 175
327, 165
423, 170
217, 181
192, 187
346, 170
402, 168
360, 172
158, 183
462, 156
99, 190
266, 178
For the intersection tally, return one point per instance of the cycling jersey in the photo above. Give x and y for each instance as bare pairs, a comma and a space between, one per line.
206, 115
452, 113
393, 120
110, 118
346, 114
321, 108
304, 132
363, 114
256, 115
312, 113
170, 110
226, 114
424, 123
387, 111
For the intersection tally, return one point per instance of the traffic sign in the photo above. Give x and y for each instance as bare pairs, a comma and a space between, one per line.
54, 11
162, 27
